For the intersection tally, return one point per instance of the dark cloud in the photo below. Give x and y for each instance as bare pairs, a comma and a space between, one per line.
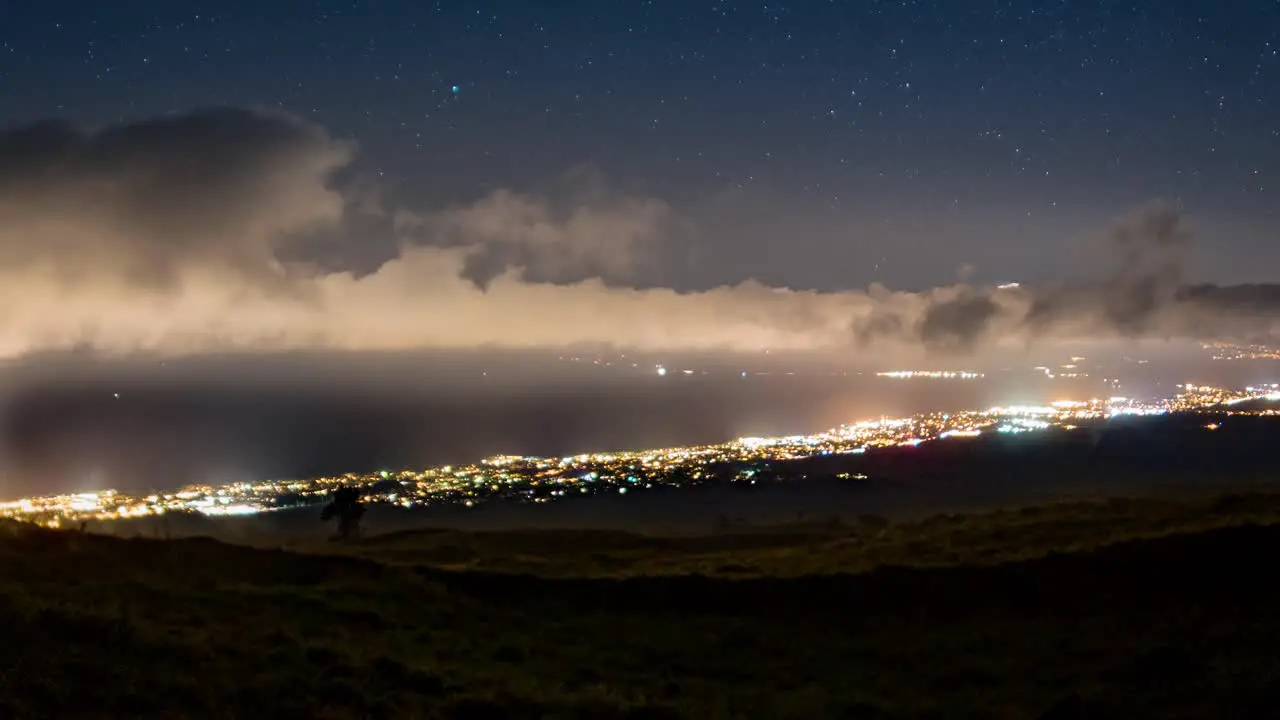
1143, 293
152, 201
1147, 253
585, 232
958, 323
1235, 300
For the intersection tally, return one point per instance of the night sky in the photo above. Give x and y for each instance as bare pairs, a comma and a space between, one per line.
906, 139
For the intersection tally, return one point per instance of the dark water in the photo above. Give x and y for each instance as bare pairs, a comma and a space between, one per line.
172, 424
168, 437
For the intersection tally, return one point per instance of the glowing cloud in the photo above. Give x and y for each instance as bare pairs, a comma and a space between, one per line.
181, 234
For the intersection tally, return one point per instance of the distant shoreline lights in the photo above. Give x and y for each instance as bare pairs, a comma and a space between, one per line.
931, 374
543, 479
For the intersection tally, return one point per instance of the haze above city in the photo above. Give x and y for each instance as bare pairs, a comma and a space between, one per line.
351, 242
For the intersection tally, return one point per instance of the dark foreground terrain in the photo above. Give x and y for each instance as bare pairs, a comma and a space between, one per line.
1127, 609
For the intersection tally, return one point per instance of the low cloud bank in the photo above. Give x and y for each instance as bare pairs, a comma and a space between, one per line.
188, 234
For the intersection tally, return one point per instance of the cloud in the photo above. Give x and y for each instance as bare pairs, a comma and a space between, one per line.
188, 234
1144, 294
595, 235
146, 205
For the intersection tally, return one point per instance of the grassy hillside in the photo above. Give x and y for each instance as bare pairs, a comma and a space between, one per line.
822, 546
1119, 609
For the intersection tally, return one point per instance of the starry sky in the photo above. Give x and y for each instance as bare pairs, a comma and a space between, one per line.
822, 145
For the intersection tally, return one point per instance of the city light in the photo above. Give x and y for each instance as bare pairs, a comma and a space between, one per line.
1233, 351
544, 479
931, 374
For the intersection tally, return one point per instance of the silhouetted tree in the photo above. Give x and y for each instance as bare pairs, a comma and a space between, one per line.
346, 507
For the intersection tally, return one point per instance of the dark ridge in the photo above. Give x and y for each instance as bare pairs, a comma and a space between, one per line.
1195, 567
1174, 626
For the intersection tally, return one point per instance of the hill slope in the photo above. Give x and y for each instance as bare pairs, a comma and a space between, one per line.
1183, 625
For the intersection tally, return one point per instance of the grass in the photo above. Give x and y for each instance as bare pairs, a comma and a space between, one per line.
823, 547
1117, 609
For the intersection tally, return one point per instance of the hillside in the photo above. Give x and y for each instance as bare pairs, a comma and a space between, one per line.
1181, 622
823, 546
